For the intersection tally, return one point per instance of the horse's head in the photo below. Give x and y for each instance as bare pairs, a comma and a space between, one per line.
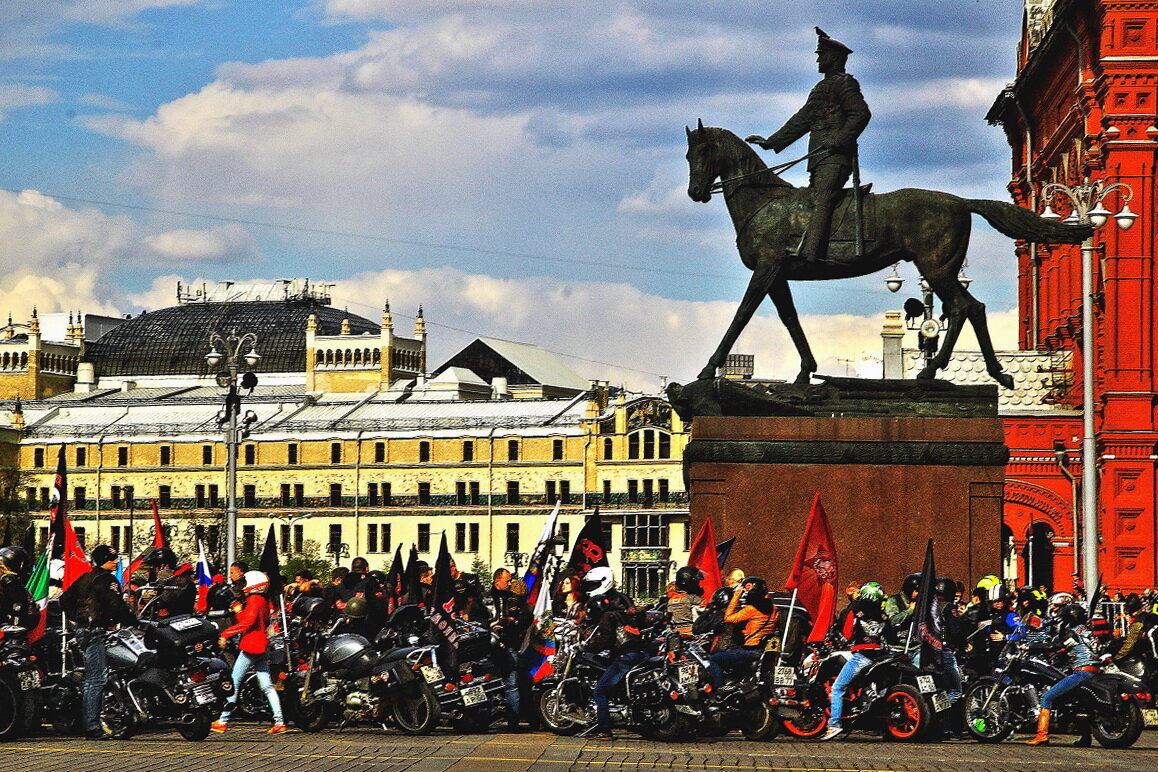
718, 154
702, 169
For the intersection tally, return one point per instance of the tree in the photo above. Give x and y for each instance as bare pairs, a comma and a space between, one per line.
13, 504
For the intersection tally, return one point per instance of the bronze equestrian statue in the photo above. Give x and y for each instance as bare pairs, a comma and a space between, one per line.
926, 227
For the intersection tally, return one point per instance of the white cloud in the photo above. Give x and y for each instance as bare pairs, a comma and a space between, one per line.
15, 96
229, 243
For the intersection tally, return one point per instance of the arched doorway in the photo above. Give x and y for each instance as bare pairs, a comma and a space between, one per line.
1038, 556
1008, 553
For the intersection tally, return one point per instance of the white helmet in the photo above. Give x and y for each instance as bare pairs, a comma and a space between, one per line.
256, 581
598, 581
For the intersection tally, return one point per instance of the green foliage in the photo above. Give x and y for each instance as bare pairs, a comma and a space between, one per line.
480, 568
14, 515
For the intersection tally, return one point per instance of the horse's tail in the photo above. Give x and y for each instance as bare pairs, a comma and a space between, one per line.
1019, 223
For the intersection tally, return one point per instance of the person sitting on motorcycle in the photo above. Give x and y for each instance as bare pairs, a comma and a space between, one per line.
171, 590
711, 618
686, 601
865, 628
1080, 646
899, 607
1140, 621
567, 600
618, 628
356, 619
753, 609
16, 604
252, 621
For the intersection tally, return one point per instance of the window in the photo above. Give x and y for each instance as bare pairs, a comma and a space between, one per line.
384, 489
291, 453
335, 494
372, 537
423, 451
633, 491
633, 445
335, 534
372, 494
249, 496
207, 455
213, 537
130, 500
214, 498
475, 494
38, 457
45, 498
664, 492
565, 491
249, 538
30, 494
664, 445
80, 538
466, 537
164, 496
424, 493
644, 529
468, 450
284, 542
335, 452
512, 450
557, 450
423, 537
114, 493
82, 456
608, 445
512, 491
299, 495
166, 455
460, 496
379, 452
648, 493
565, 535
299, 538
607, 491
199, 496
644, 580
384, 536
119, 538
550, 492
122, 455
286, 495
649, 443
512, 537
79, 497
460, 537
250, 454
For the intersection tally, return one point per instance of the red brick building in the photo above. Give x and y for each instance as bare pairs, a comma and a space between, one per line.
1083, 106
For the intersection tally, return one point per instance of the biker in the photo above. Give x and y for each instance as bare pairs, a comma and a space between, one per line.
512, 620
753, 608
864, 627
899, 607
711, 619
356, 619
686, 602
252, 622
94, 604
171, 590
947, 612
1141, 619
237, 572
1079, 644
618, 629
16, 604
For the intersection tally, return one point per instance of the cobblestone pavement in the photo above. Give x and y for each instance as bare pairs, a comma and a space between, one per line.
246, 747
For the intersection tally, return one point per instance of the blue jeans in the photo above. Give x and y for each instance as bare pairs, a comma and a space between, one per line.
260, 664
611, 678
858, 663
729, 659
952, 675
96, 674
1063, 686
511, 688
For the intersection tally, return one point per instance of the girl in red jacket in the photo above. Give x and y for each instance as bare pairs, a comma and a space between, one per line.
252, 621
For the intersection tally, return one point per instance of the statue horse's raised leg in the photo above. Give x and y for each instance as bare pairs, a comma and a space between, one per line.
781, 295
959, 305
763, 278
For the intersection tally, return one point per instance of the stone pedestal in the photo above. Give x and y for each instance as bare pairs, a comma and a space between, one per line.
887, 484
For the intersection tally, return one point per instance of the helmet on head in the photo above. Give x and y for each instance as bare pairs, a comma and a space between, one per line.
1073, 615
14, 560
305, 606
911, 583
1132, 603
356, 608
988, 587
751, 589
688, 579
945, 588
160, 556
1061, 599
598, 581
871, 591
256, 581
102, 554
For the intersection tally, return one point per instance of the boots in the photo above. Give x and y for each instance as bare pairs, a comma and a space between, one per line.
1042, 736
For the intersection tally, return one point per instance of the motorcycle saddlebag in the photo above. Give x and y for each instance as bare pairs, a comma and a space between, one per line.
183, 631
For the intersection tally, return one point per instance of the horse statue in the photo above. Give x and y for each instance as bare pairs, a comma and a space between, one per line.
926, 227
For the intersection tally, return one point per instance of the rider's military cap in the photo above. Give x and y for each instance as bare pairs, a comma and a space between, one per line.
824, 42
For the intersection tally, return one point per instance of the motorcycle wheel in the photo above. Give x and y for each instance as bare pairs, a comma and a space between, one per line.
907, 714
1120, 730
17, 709
198, 728
418, 714
118, 714
670, 726
311, 716
758, 722
551, 710
989, 725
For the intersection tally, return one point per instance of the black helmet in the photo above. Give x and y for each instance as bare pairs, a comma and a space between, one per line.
305, 606
14, 559
102, 554
160, 556
1132, 603
378, 576
944, 588
911, 583
751, 588
688, 579
1073, 615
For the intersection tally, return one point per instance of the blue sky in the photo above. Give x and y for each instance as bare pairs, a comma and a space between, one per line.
516, 167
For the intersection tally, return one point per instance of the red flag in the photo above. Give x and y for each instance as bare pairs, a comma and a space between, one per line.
64, 543
704, 557
814, 572
158, 541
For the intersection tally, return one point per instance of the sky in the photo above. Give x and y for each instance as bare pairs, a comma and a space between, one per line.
515, 167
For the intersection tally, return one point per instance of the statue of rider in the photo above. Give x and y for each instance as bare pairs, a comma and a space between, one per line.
834, 115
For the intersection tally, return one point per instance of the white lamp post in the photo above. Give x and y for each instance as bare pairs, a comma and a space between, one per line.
1086, 204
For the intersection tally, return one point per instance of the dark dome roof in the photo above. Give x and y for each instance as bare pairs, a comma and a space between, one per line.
175, 340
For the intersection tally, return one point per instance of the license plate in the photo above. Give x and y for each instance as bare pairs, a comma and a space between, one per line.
784, 676
941, 702
1150, 716
186, 624
473, 695
689, 673
29, 679
431, 674
926, 684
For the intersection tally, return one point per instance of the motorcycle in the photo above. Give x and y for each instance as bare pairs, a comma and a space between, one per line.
1108, 704
742, 701
19, 684
890, 695
164, 676
470, 693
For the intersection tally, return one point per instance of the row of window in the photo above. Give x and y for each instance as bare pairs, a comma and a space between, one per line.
643, 444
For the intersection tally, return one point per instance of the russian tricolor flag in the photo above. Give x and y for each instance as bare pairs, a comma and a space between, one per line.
204, 578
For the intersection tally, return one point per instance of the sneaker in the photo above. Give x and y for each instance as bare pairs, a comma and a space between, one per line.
276, 729
219, 727
601, 734
832, 733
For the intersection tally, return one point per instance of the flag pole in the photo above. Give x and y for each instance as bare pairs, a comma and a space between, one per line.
788, 621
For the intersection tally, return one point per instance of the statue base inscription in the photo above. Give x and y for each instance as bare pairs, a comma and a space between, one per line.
887, 483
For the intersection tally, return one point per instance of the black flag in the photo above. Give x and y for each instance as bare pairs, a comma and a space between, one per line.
395, 583
590, 550
928, 627
270, 566
723, 550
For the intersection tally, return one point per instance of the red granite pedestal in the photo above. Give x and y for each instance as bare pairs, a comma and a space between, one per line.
888, 484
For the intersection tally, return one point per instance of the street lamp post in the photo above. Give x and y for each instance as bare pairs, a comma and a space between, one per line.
1086, 203
233, 359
